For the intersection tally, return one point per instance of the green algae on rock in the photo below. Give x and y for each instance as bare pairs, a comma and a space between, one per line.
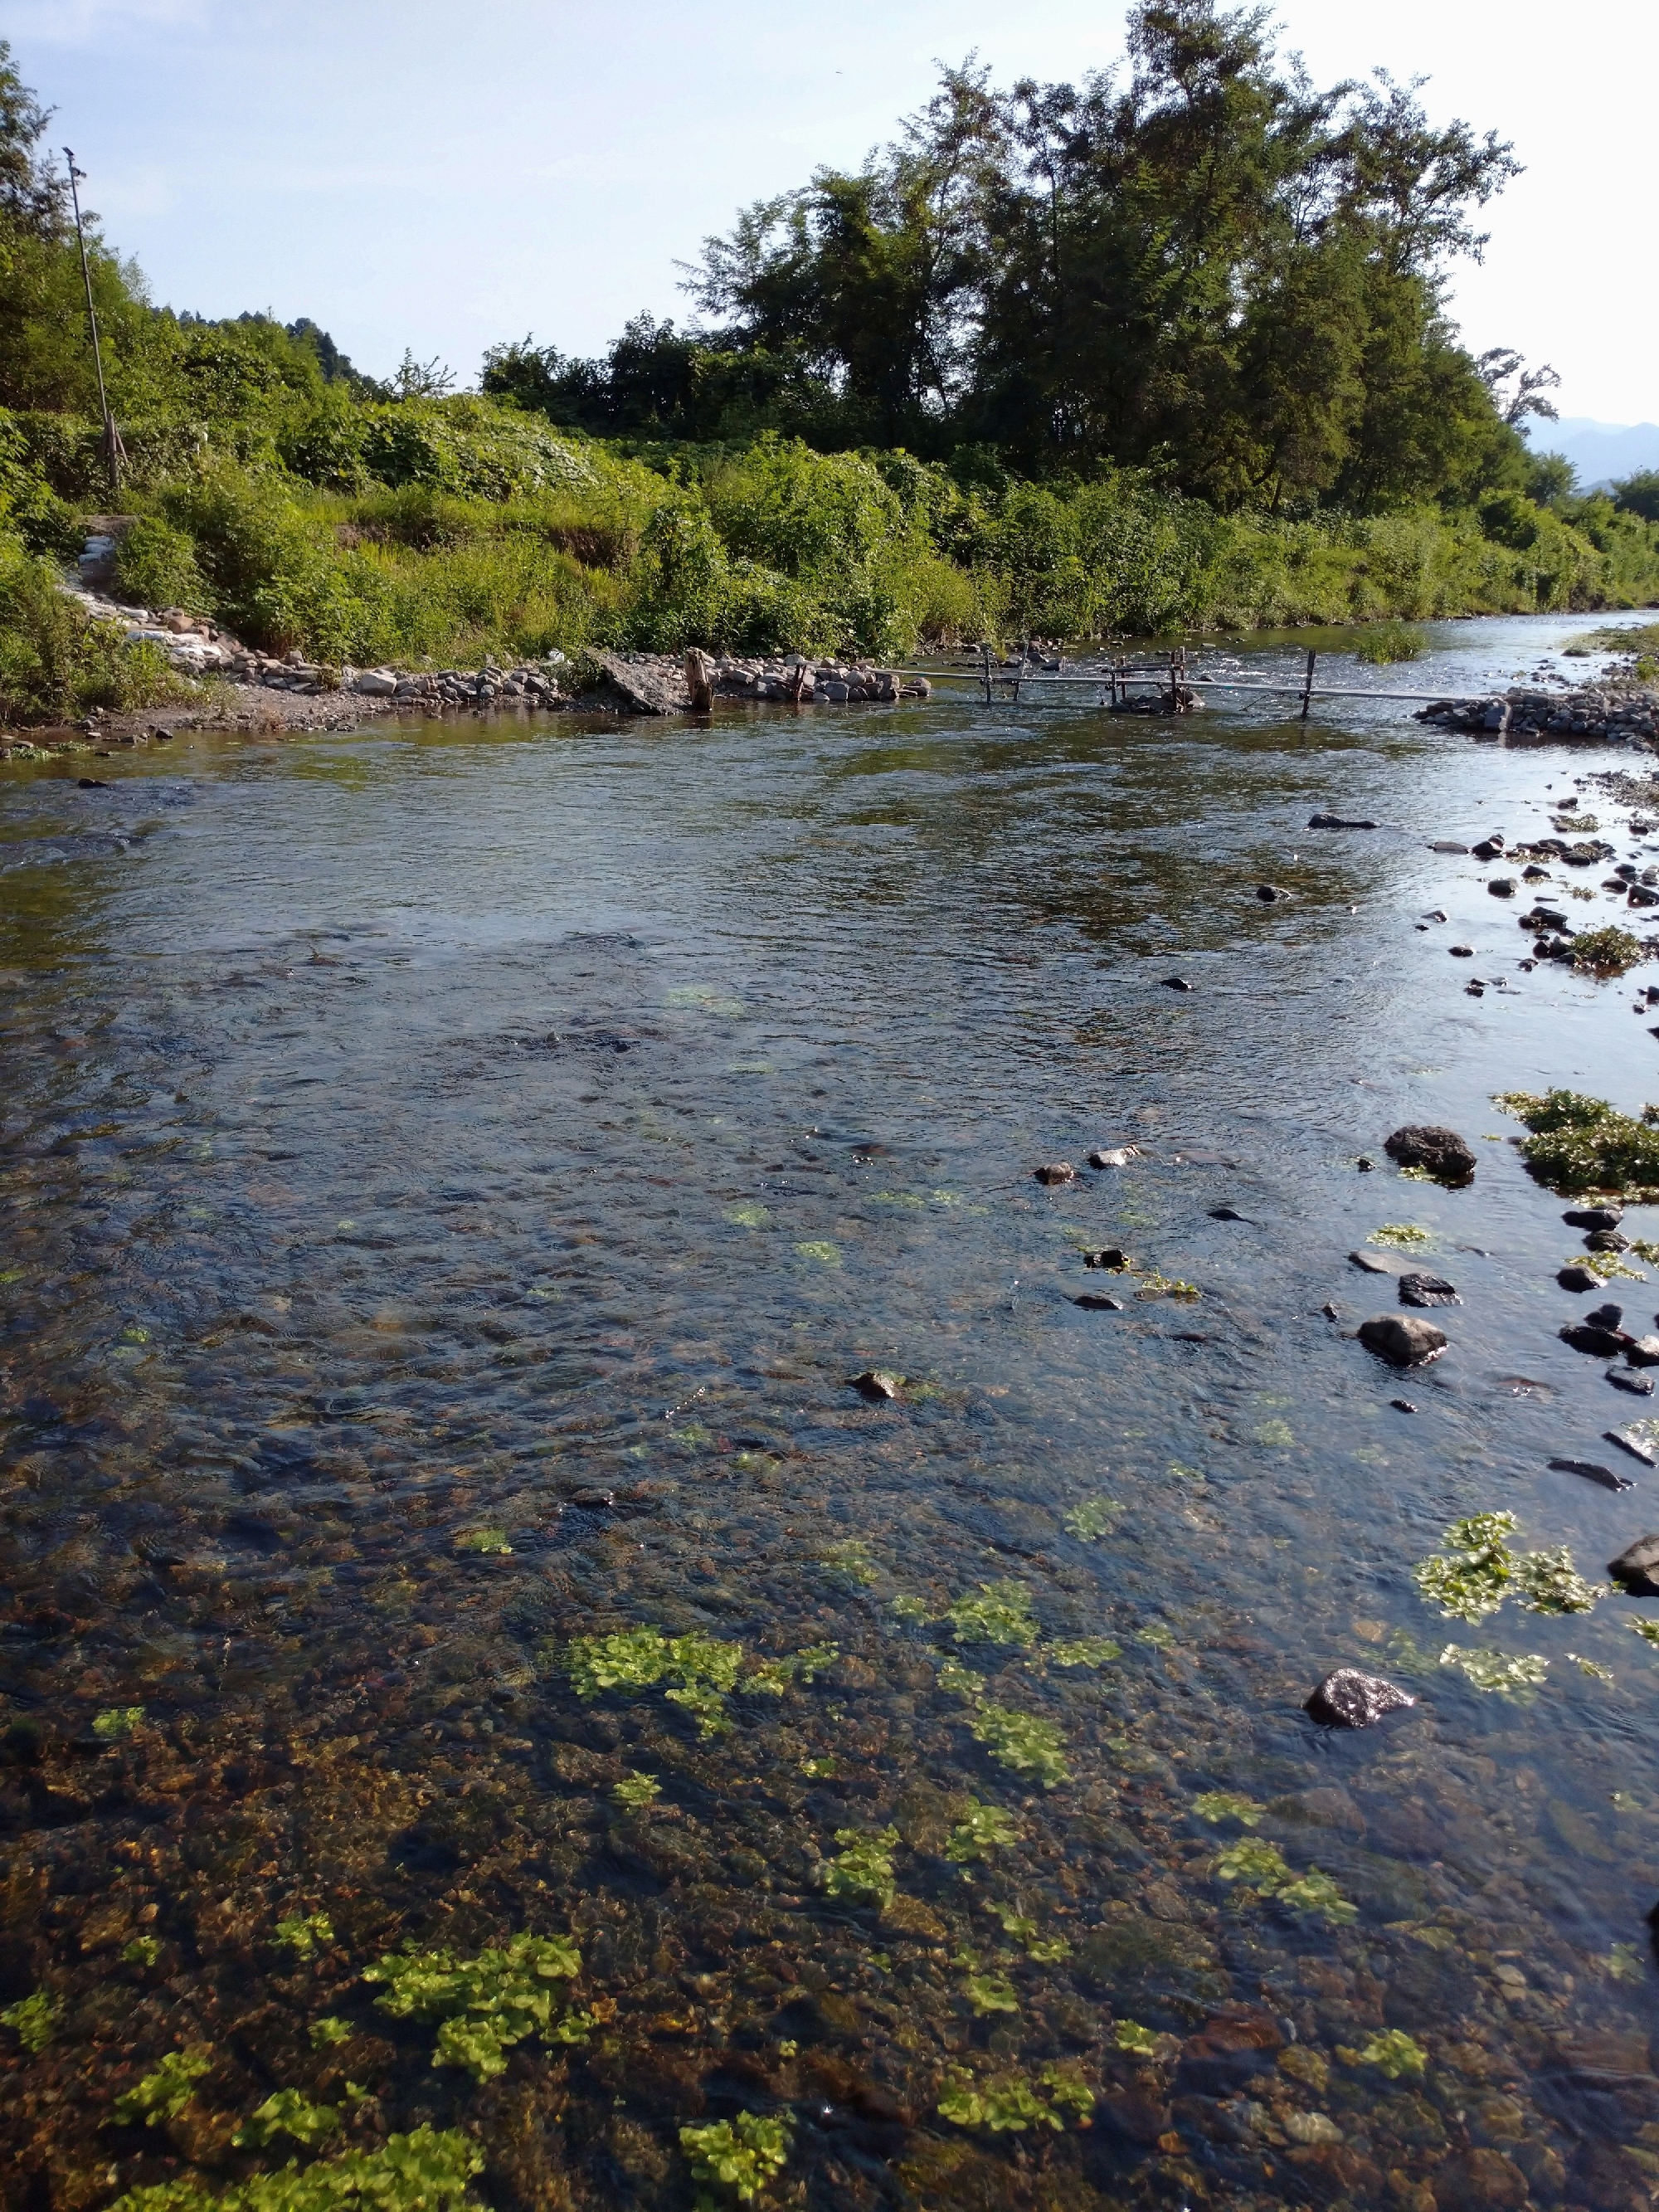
425, 2171
1010, 2103
1023, 1743
863, 1868
487, 2003
1218, 1805
303, 1933
164, 2091
980, 1830
1582, 1143
288, 2112
1001, 1614
742, 2156
32, 2020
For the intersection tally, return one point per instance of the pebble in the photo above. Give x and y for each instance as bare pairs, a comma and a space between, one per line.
1110, 1255
1462, 952
1447, 845
1607, 1240
1115, 1156
1593, 1471
1489, 848
1502, 886
1402, 1339
1336, 822
1268, 893
1348, 1698
1402, 1405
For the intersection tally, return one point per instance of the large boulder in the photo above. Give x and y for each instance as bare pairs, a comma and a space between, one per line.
1442, 1152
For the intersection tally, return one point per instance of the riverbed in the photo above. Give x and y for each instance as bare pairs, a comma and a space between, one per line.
453, 1177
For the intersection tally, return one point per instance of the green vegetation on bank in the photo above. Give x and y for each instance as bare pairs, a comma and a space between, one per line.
1026, 371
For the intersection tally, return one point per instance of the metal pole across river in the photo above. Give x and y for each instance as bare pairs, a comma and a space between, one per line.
1297, 687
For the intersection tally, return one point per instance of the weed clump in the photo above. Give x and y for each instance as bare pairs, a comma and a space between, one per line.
1496, 1672
1001, 1614
742, 2156
1093, 1519
119, 1721
1260, 1864
1011, 2103
486, 2003
1394, 2053
862, 1869
1381, 643
1218, 1805
1084, 1651
982, 1830
1607, 951
637, 1791
303, 1933
425, 2171
1023, 1743
164, 2091
1475, 1571
33, 2021
289, 2113
1583, 1144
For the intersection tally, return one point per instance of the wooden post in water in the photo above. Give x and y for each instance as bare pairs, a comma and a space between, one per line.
985, 670
1306, 689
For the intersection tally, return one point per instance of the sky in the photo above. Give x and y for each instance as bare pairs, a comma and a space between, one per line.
443, 175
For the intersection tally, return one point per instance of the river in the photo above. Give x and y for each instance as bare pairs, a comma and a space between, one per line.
452, 1173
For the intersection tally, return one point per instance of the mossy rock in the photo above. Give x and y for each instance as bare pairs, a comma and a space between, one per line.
908, 1915
1140, 1957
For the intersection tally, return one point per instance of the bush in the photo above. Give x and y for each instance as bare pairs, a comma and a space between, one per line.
156, 567
55, 664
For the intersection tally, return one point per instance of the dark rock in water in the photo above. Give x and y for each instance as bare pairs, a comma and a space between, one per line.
1636, 1567
1447, 845
1402, 1339
1488, 848
1643, 1352
90, 783
1364, 1165
1110, 1255
1330, 1311
1057, 1171
1639, 1445
1097, 1301
877, 1383
1348, 1698
1599, 1343
1502, 886
1481, 2180
1226, 1213
1607, 1315
1176, 983
1593, 1217
1626, 1378
1577, 1278
1461, 952
1593, 1471
1114, 1156
1443, 1153
1607, 1240
1270, 892
1336, 822
1226, 2051
1402, 1405
1427, 1291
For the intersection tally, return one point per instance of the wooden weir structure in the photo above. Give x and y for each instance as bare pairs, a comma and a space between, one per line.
1116, 677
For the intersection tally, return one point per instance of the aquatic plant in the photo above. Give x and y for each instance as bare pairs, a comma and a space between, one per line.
1218, 1805
1010, 2103
863, 1868
302, 1933
1001, 1614
1380, 643
852, 1562
749, 1213
1315, 1893
1084, 1651
1023, 1743
1494, 1671
1606, 951
486, 2003
981, 1829
772, 1677
1547, 1582
703, 1668
1583, 1144
911, 1608
164, 2091
1404, 1236
1129, 2035
1155, 1286
959, 1681
1155, 1633
33, 2021
821, 1251
1624, 1963
1591, 1667
484, 1541
1647, 1630
1046, 1950
1470, 1577
637, 1791
288, 2112
1254, 1861
743, 2156
328, 2031
425, 2171
1604, 1266
628, 1659
989, 1993
119, 1721
1395, 2054
1093, 1519
141, 1951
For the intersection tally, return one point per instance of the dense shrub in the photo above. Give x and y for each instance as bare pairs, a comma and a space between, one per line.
55, 664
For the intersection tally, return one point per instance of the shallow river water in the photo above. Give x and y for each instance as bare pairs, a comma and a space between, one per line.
451, 1174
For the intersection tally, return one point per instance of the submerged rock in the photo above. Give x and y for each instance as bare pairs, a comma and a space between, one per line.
1424, 1290
1348, 1698
1643, 1352
1337, 822
1268, 893
1636, 1567
1627, 1378
1637, 1442
1097, 1301
1114, 1156
1442, 1152
1589, 1336
1447, 845
1593, 1217
1110, 1255
1578, 1278
1402, 1339
1226, 1213
877, 1383
1057, 1171
1176, 983
1593, 1471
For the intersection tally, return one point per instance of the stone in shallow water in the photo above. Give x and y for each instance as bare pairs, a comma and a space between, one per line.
1402, 1339
1577, 1278
1600, 1343
1626, 1378
1098, 1301
1114, 1156
1593, 1471
877, 1383
1425, 1290
1057, 1171
1348, 1698
1637, 1439
1636, 1567
1593, 1217
1442, 1152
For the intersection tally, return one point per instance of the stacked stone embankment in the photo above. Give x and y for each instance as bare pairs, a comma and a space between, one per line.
1608, 715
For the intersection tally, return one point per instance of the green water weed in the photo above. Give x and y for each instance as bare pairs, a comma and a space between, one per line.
486, 2003
1604, 1266
1395, 2054
328, 2031
820, 1251
851, 1562
118, 1722
425, 2171
959, 1681
1593, 1667
1496, 1672
982, 1830
1001, 1614
1316, 1893
1093, 1519
164, 2091
1606, 951
862, 1870
304, 1933
1023, 1743
990, 1993
288, 2112
1647, 1630
1256, 1860
33, 2021
141, 1951
1402, 1235
637, 1791
1582, 1143
749, 1214
1547, 1582
742, 2156
1129, 2035
1083, 1651
911, 1608
1216, 1806
1470, 1577
486, 1542
772, 1677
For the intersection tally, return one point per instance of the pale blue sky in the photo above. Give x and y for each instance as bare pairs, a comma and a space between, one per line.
436, 174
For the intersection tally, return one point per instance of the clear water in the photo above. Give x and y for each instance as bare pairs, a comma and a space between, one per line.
432, 1139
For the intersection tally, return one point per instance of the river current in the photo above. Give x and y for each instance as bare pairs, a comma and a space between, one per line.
451, 1175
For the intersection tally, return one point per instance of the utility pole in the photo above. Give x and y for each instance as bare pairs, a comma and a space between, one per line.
112, 436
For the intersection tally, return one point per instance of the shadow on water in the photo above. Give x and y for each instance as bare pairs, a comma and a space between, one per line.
450, 1182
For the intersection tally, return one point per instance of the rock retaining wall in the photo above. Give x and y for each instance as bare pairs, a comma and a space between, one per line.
1608, 717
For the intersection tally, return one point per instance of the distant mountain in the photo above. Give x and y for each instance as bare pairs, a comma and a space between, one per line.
1601, 452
